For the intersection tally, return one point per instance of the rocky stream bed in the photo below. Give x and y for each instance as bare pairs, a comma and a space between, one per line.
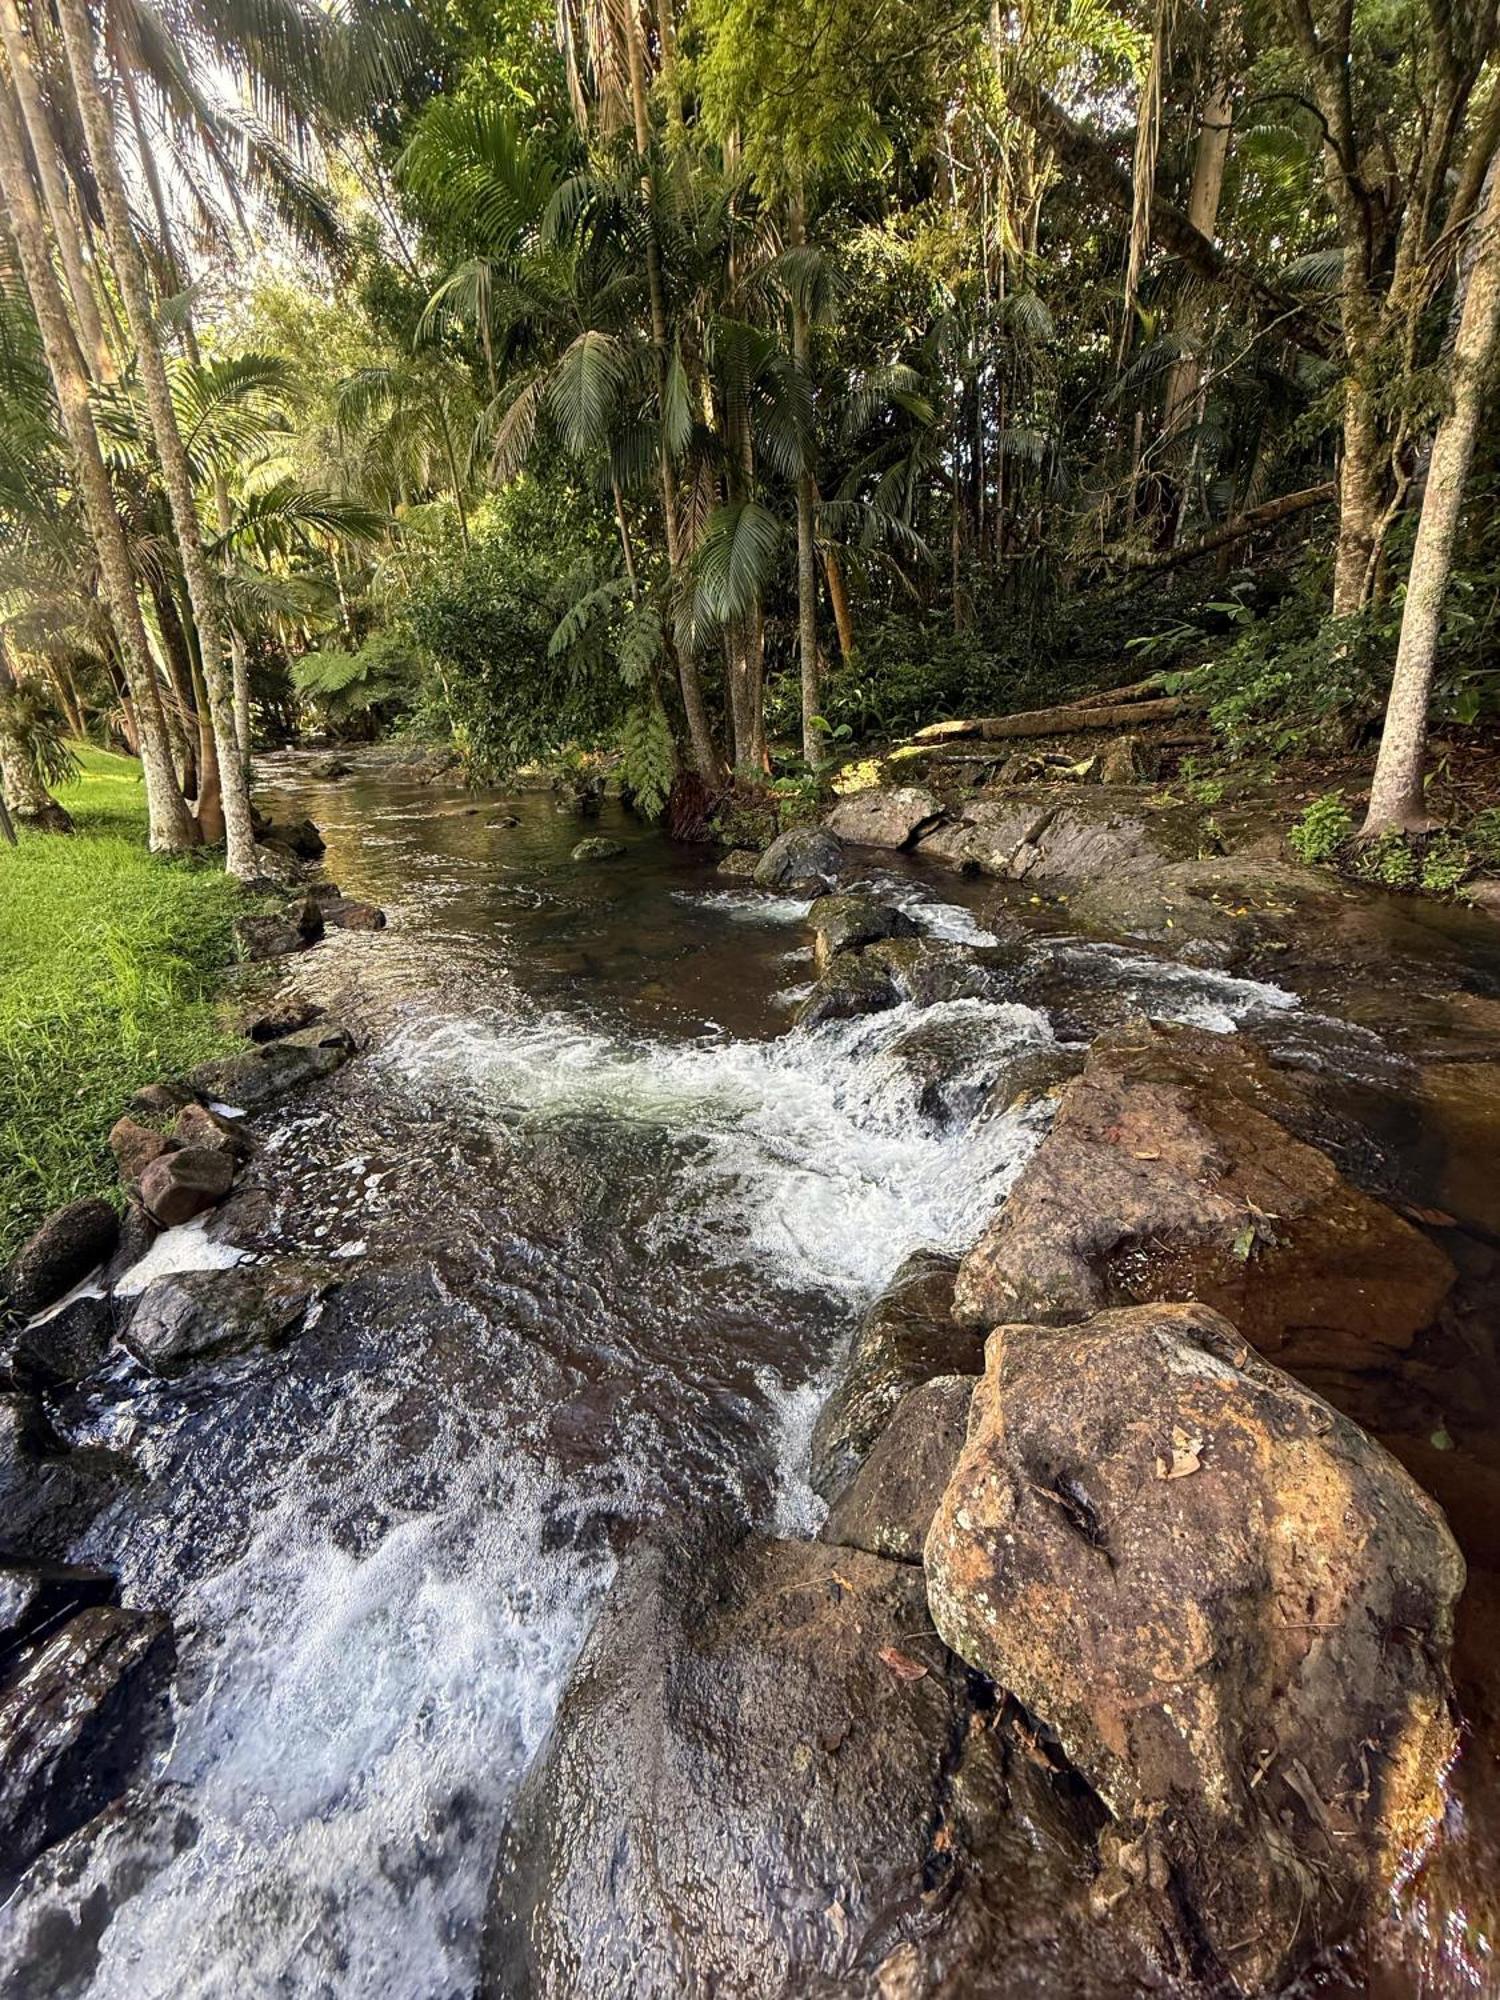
911, 1415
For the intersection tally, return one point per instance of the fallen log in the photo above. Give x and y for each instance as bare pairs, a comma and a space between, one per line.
1064, 721
1264, 516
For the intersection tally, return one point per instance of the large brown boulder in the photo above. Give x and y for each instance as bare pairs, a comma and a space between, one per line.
889, 1504
886, 817
769, 1781
1036, 837
1233, 1607
1170, 1172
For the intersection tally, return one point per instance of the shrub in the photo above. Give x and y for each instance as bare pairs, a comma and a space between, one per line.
1322, 830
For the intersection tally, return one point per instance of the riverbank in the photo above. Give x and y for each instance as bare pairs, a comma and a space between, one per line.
111, 965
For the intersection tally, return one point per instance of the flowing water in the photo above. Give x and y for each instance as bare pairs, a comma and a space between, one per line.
602, 1227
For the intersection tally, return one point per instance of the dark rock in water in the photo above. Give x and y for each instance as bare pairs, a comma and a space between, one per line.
48, 1494
283, 1017
66, 1248
329, 767
209, 1131
26, 1440
277, 867
193, 1315
263, 1075
598, 847
78, 1717
160, 1100
137, 1233
1170, 1172
1226, 1600
805, 857
502, 821
51, 1933
767, 1781
346, 914
301, 836
899, 968
844, 923
907, 1336
739, 864
887, 1507
34, 1595
885, 818
262, 937
183, 1184
67, 1345
855, 983
135, 1146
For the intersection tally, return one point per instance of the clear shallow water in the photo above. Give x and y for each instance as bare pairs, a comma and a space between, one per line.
601, 1228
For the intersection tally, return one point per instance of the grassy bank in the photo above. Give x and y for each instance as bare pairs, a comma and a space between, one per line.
109, 963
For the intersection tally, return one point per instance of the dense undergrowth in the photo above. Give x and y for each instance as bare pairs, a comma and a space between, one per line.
109, 962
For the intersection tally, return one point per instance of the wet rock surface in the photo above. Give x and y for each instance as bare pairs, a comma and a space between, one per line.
885, 818
805, 857
598, 847
184, 1183
192, 1316
847, 922
65, 1249
1233, 1607
1029, 836
64, 1346
264, 1075
888, 1506
768, 1779
907, 1336
1170, 1172
78, 1717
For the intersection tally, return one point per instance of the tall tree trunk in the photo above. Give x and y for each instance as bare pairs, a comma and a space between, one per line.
130, 271
96, 355
838, 597
1396, 797
695, 708
171, 826
178, 661
807, 555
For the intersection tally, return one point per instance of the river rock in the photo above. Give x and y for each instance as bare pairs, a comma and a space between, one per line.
844, 923
271, 936
332, 766
78, 1717
26, 1440
162, 1099
1232, 1606
884, 817
263, 1075
740, 863
183, 1184
137, 1233
301, 837
598, 847
345, 913
1034, 837
1169, 1172
67, 1345
192, 1316
135, 1146
66, 1248
38, 1594
907, 1336
888, 1506
853, 984
1208, 910
804, 857
917, 969
766, 1781
205, 1130
285, 1016
51, 1931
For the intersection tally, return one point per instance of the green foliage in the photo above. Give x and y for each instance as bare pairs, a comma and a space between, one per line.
1446, 862
648, 758
30, 717
1389, 860
355, 692
109, 960
1322, 830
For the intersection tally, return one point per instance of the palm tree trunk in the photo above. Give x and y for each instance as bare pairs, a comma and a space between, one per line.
807, 558
838, 597
96, 355
27, 796
1396, 796
171, 826
130, 271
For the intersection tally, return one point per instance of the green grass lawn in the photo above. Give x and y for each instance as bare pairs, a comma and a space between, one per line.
110, 959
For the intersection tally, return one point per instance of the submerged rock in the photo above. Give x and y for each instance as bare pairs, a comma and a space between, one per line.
65, 1249
846, 922
1233, 1607
345, 913
767, 1781
888, 1506
78, 1717
67, 1345
193, 1316
804, 857
907, 1336
740, 863
332, 766
263, 1075
183, 1184
884, 974
1169, 1172
598, 847
37, 1594
51, 1931
285, 1016
884, 818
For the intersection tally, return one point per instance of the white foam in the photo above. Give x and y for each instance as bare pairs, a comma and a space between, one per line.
188, 1247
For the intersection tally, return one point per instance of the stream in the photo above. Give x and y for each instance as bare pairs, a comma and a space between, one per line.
602, 1229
